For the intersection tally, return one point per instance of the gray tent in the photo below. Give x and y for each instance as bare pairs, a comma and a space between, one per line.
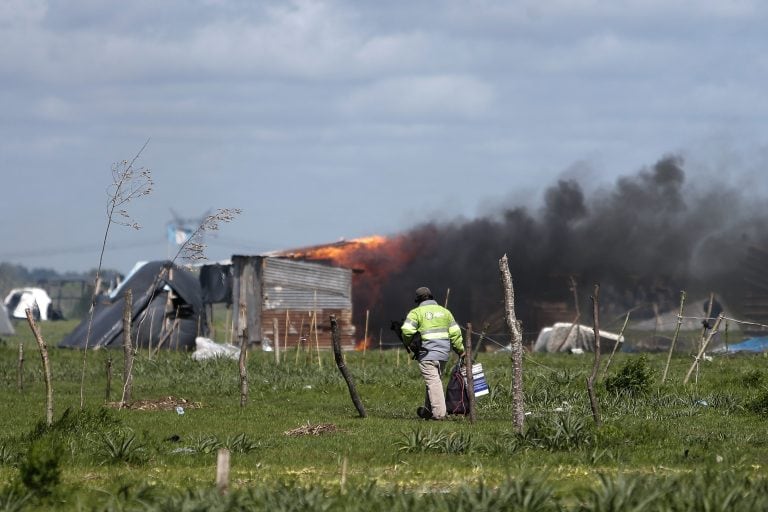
167, 311
6, 327
567, 336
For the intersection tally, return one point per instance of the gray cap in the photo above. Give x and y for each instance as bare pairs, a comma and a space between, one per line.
423, 291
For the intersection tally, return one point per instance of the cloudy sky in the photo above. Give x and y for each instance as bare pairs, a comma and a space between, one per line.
331, 119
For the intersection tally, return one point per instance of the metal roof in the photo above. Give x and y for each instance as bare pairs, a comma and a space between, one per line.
301, 285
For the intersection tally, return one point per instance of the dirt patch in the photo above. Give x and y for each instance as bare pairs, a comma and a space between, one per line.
168, 403
312, 430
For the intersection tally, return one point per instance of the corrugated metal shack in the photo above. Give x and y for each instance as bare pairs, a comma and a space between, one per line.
292, 294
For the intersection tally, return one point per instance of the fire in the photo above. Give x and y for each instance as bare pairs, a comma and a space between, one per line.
345, 253
376, 255
363, 344
373, 258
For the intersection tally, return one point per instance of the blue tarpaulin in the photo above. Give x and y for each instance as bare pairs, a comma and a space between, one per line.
748, 345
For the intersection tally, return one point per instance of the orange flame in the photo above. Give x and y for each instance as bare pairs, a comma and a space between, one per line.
363, 344
374, 258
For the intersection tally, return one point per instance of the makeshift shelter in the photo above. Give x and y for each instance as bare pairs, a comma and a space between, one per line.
694, 312
167, 311
6, 327
21, 299
567, 337
295, 296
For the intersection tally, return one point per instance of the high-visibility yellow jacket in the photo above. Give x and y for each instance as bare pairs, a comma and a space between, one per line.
439, 331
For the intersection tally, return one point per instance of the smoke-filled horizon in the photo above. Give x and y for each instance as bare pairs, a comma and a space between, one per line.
643, 240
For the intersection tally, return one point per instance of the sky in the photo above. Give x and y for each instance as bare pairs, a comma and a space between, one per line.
334, 119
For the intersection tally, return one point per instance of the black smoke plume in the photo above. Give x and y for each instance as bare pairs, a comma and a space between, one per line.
644, 240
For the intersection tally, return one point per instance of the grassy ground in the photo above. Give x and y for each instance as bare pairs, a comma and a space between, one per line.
708, 437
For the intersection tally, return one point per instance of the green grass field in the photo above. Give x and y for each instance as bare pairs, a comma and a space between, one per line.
672, 447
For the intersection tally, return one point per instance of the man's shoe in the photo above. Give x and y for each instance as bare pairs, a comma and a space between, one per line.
423, 413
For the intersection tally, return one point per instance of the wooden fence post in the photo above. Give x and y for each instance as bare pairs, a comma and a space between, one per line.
222, 470
703, 348
241, 366
470, 374
596, 362
619, 340
127, 349
339, 357
276, 337
46, 367
674, 338
518, 406
20, 375
108, 369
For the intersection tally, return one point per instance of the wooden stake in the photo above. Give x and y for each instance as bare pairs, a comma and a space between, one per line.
20, 371
127, 349
317, 345
317, 339
298, 341
276, 337
339, 357
574, 288
229, 322
287, 328
703, 348
704, 328
46, 367
222, 471
108, 368
398, 356
616, 345
308, 341
365, 336
447, 295
674, 338
596, 362
518, 405
343, 481
470, 374
242, 368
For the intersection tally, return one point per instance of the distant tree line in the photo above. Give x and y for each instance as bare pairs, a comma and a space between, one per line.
71, 291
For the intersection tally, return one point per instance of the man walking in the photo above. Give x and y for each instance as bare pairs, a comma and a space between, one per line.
439, 334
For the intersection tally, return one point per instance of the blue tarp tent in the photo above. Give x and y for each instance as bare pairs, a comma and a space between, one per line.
748, 345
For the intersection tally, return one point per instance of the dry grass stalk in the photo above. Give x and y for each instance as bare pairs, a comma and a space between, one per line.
619, 340
312, 430
193, 249
128, 183
593, 403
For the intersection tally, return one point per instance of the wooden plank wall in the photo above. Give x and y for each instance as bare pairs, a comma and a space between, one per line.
299, 326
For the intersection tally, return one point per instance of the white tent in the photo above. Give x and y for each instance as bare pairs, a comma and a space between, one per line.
36, 299
566, 336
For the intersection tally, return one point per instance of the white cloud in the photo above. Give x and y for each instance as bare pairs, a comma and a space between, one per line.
22, 12
417, 96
